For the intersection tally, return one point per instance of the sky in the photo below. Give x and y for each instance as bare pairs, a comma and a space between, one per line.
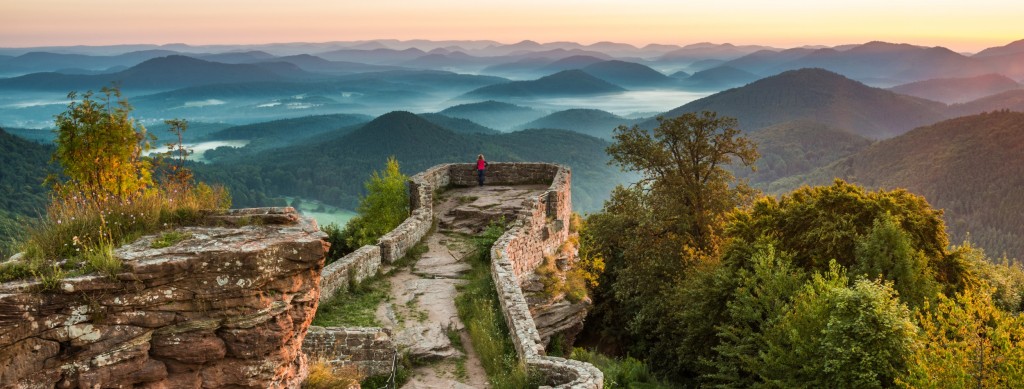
959, 25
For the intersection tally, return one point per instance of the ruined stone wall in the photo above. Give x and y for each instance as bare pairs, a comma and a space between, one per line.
370, 349
353, 268
540, 229
365, 261
227, 308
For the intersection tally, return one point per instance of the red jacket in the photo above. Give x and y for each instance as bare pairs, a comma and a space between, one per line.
481, 164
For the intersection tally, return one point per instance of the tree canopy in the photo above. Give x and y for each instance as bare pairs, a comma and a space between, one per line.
100, 147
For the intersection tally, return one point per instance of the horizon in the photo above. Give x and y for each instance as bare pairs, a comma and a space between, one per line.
792, 23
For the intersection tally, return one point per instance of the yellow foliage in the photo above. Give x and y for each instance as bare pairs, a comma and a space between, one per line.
324, 376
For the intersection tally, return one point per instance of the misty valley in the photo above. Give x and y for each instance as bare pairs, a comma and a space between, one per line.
844, 158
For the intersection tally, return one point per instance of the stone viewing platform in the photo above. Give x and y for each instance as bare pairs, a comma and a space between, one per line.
534, 200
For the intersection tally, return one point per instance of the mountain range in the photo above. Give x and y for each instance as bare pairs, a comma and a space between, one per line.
561, 84
332, 167
972, 167
958, 90
493, 114
822, 96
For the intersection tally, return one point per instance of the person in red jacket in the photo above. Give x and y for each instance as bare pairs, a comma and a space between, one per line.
481, 165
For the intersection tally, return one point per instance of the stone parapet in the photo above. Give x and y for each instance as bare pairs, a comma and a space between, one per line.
539, 229
352, 268
227, 307
369, 349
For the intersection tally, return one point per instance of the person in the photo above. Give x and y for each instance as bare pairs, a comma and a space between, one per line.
481, 165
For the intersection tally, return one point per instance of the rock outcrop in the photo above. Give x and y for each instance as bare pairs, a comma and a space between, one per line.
226, 308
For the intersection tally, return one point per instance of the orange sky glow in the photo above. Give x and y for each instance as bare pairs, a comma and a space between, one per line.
959, 25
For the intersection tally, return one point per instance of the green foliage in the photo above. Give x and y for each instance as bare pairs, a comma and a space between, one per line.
626, 373
838, 335
478, 307
108, 198
968, 342
1006, 278
760, 297
100, 147
969, 167
337, 240
820, 224
170, 238
550, 278
355, 307
591, 264
385, 206
663, 228
885, 253
25, 166
683, 162
100, 258
792, 149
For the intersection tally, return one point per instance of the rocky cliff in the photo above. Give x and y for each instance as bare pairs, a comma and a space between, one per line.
228, 307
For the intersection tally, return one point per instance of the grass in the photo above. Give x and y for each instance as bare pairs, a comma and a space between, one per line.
79, 232
324, 376
355, 307
620, 373
550, 277
460, 364
169, 239
403, 371
478, 308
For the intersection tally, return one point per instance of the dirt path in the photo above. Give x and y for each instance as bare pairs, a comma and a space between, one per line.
422, 306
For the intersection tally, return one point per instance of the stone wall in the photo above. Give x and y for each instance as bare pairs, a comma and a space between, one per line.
540, 229
353, 268
365, 261
370, 349
227, 308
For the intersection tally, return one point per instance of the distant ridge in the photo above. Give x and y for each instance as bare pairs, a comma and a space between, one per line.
718, 78
958, 90
289, 129
628, 74
175, 71
1012, 100
593, 122
972, 167
458, 125
493, 114
564, 83
332, 167
822, 96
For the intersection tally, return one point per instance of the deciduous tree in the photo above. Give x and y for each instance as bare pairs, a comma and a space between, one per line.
100, 147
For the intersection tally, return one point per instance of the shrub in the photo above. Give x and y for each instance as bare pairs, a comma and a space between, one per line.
324, 376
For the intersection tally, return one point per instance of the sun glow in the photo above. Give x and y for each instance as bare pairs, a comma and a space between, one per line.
958, 25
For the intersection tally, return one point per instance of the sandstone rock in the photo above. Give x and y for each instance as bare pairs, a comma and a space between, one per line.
425, 342
197, 347
227, 308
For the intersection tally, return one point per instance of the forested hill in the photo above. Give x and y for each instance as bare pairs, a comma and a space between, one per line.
972, 167
333, 167
792, 149
822, 96
23, 167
